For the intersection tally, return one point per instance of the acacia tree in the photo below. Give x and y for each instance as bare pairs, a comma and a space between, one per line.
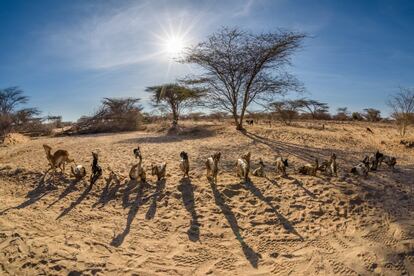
286, 110
372, 114
174, 98
313, 107
10, 99
342, 114
402, 105
241, 68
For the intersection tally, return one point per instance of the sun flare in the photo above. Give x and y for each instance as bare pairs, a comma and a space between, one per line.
174, 45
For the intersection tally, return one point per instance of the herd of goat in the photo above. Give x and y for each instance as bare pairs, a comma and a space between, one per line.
137, 172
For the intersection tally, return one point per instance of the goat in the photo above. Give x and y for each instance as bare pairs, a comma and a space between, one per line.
78, 172
58, 159
212, 166
362, 168
281, 165
250, 122
309, 169
137, 171
374, 160
389, 160
159, 170
260, 170
137, 152
243, 166
96, 169
330, 166
184, 163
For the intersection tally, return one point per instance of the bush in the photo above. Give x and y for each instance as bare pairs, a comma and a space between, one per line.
115, 115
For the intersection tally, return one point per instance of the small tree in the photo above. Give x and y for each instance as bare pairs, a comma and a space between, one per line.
174, 98
286, 111
356, 116
55, 120
10, 98
241, 68
342, 114
115, 114
25, 115
402, 105
10, 118
313, 107
372, 115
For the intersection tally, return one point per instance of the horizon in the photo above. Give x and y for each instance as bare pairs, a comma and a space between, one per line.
67, 56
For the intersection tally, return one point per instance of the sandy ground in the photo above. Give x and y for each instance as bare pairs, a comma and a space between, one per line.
298, 225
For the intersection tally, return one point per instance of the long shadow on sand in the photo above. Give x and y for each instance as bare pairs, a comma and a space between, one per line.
77, 201
109, 191
249, 253
284, 221
131, 187
300, 185
187, 191
42, 189
119, 239
156, 196
70, 188
305, 153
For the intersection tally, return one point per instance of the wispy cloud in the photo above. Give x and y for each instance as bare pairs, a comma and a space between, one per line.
245, 8
124, 37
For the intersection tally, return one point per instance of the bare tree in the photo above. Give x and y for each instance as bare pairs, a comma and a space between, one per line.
313, 107
372, 114
174, 98
402, 104
286, 111
241, 68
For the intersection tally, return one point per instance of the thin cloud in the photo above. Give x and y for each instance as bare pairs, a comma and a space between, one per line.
112, 40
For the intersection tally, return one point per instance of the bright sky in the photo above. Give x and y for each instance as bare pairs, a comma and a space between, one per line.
67, 55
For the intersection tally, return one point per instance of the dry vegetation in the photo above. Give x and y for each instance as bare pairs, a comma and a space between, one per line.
274, 225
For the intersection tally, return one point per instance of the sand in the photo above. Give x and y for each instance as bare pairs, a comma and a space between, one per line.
298, 225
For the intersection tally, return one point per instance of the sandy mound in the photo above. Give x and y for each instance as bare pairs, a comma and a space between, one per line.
15, 138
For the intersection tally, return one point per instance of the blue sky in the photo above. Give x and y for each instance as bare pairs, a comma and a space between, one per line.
67, 55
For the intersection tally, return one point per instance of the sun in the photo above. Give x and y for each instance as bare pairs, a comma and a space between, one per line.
174, 46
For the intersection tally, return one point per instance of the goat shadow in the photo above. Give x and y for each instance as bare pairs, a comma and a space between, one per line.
284, 221
42, 189
249, 253
139, 201
156, 196
109, 191
85, 193
187, 191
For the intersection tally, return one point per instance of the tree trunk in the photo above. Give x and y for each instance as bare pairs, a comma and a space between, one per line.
175, 119
240, 123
